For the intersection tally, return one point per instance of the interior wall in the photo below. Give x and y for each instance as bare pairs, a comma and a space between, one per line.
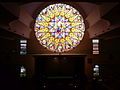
60, 66
108, 60
28, 62
34, 47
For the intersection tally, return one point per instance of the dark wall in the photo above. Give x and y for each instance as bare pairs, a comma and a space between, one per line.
60, 66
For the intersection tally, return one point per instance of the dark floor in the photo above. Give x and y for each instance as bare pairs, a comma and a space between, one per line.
50, 85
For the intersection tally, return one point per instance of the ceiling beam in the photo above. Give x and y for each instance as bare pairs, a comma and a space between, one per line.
19, 28
25, 17
94, 16
98, 28
12, 8
106, 7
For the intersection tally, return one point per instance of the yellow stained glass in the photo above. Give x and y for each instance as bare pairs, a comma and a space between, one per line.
59, 27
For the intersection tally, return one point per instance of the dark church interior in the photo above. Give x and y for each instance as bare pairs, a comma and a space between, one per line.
93, 64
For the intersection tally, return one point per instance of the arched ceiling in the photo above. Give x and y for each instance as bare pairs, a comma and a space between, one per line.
97, 25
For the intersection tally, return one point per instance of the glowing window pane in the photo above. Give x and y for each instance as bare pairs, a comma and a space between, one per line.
22, 71
95, 40
95, 52
23, 47
97, 66
59, 27
96, 70
23, 41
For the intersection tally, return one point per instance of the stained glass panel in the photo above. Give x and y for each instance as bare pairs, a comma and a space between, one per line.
59, 27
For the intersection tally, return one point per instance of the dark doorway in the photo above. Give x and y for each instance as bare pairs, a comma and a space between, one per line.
59, 71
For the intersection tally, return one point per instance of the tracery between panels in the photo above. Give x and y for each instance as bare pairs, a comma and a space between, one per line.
59, 27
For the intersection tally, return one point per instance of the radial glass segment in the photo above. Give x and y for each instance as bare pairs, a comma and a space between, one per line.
59, 27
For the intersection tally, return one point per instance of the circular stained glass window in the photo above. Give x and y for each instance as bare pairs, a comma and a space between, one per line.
59, 27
